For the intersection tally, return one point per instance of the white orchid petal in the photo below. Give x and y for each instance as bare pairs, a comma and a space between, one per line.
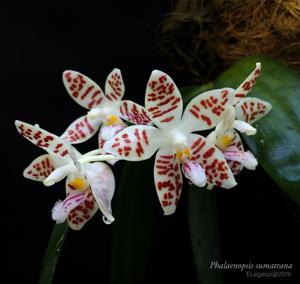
245, 158
206, 110
114, 85
81, 129
83, 90
44, 139
247, 85
163, 100
134, 143
102, 182
134, 113
244, 127
252, 109
194, 173
168, 180
40, 168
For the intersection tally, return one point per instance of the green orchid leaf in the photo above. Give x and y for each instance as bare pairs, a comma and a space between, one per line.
203, 223
135, 203
277, 142
53, 251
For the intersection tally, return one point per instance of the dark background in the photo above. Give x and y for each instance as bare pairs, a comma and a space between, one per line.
258, 223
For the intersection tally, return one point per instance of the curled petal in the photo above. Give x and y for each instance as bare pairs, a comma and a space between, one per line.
194, 173
244, 127
44, 139
245, 158
81, 129
59, 174
134, 113
62, 209
163, 100
83, 90
134, 143
247, 85
40, 168
212, 161
102, 182
114, 85
84, 211
205, 110
252, 109
168, 180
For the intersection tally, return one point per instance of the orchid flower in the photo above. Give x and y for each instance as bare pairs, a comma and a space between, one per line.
238, 116
88, 185
173, 138
105, 109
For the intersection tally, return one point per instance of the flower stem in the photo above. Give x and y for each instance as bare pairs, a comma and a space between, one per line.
53, 251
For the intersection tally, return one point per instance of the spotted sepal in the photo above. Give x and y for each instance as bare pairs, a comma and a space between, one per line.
247, 85
44, 139
163, 100
252, 109
40, 168
205, 111
134, 113
134, 143
82, 89
82, 129
212, 161
114, 85
168, 180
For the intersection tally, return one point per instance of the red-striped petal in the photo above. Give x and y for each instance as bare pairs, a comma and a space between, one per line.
40, 168
205, 111
134, 143
168, 180
247, 85
44, 139
163, 100
114, 86
81, 130
252, 109
134, 113
82, 89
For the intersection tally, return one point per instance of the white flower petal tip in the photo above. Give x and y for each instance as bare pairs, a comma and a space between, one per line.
194, 173
170, 210
258, 65
58, 213
48, 182
229, 184
209, 186
244, 127
109, 220
250, 161
245, 158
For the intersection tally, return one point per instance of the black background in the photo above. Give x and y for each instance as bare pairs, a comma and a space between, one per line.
258, 223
